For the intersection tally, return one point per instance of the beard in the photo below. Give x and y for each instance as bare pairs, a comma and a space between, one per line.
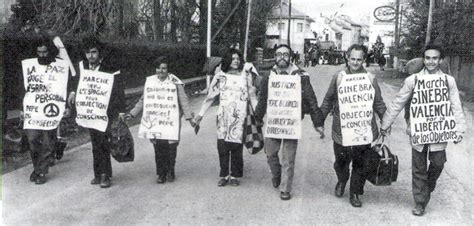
283, 63
44, 60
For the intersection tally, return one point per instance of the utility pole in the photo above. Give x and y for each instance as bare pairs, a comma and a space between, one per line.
209, 18
289, 23
397, 34
247, 30
280, 22
430, 23
208, 49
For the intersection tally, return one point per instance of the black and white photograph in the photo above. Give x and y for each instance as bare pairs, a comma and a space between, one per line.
237, 112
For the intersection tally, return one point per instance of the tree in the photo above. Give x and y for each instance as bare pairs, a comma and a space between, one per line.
158, 20
451, 21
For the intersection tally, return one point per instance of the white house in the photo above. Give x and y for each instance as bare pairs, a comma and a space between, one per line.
342, 30
300, 28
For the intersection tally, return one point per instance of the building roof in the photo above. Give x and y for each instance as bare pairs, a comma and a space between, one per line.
295, 14
349, 20
336, 28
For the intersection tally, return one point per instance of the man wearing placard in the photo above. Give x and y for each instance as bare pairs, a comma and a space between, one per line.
44, 104
435, 118
99, 98
285, 96
163, 102
354, 97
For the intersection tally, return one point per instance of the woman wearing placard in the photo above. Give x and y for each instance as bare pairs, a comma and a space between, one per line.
163, 102
232, 86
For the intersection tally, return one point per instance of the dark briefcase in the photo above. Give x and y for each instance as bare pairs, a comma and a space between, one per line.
381, 165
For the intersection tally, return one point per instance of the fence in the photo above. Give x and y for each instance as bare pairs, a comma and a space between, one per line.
462, 68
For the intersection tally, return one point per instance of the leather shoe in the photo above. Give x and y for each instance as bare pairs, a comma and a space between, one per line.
276, 181
354, 200
52, 162
170, 177
60, 150
222, 182
40, 179
105, 181
161, 179
340, 187
419, 210
427, 200
285, 195
96, 180
33, 176
234, 182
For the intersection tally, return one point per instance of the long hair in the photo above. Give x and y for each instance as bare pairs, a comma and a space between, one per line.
90, 42
49, 44
227, 60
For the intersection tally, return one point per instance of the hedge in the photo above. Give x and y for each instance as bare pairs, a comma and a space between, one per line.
133, 58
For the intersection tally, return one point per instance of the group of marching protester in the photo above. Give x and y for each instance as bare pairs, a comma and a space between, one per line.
279, 102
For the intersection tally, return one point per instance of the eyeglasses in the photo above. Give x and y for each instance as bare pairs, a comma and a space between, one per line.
282, 55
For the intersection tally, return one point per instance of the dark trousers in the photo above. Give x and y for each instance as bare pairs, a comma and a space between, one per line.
101, 153
41, 144
424, 177
344, 156
232, 152
165, 156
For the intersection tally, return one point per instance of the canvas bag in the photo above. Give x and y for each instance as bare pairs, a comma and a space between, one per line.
121, 142
381, 165
253, 134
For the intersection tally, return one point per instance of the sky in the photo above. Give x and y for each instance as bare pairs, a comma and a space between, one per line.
356, 9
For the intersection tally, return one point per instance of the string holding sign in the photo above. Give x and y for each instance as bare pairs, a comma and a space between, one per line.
46, 90
160, 118
92, 98
356, 95
431, 115
284, 107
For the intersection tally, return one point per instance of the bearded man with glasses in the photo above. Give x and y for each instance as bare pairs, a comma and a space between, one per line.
308, 104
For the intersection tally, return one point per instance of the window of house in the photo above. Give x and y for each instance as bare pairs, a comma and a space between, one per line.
281, 26
299, 27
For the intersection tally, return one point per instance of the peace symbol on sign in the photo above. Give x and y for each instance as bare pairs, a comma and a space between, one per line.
51, 110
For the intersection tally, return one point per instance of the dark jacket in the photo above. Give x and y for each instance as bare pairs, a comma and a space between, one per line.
330, 103
310, 103
117, 98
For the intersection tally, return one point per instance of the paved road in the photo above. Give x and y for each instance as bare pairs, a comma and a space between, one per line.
194, 197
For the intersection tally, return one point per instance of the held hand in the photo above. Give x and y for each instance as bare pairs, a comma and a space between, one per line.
67, 113
458, 139
197, 120
125, 117
385, 132
192, 122
71, 100
22, 116
320, 130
